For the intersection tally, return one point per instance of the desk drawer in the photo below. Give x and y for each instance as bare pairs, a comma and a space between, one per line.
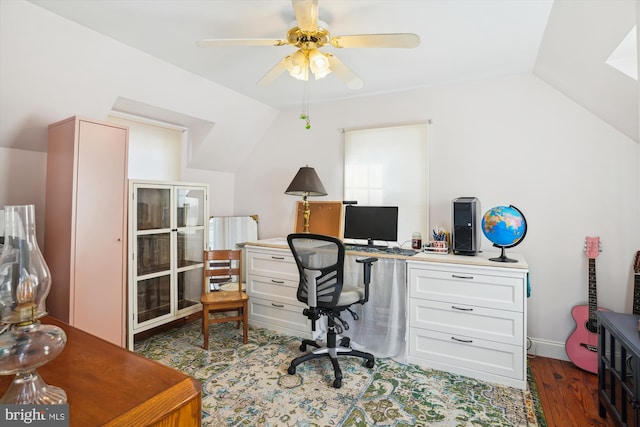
472, 356
281, 290
276, 263
279, 316
478, 322
468, 287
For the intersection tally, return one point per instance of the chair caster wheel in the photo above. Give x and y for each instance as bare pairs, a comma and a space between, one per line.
337, 383
291, 370
303, 347
370, 364
345, 342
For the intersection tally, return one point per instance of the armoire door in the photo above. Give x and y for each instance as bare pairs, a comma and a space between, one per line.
99, 297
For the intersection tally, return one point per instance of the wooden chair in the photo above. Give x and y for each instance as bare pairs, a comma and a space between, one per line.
220, 266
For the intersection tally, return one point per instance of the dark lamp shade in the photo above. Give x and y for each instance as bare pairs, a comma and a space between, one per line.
306, 182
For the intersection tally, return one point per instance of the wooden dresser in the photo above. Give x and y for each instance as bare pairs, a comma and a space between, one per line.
108, 385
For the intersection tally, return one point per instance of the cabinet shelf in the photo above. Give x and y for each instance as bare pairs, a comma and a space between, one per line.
188, 263
185, 303
159, 268
153, 313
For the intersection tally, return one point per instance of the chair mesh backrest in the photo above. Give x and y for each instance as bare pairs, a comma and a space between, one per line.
321, 255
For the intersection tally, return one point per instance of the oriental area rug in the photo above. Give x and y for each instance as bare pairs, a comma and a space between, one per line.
248, 385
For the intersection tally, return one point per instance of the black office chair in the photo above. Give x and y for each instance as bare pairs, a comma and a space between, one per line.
320, 261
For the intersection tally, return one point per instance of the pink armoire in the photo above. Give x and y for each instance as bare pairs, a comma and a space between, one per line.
85, 242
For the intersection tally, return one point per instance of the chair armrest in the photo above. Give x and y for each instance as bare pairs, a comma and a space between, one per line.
366, 264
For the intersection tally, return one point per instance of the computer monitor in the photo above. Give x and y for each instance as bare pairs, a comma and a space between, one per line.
371, 223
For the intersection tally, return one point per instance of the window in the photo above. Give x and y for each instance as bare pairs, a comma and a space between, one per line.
388, 166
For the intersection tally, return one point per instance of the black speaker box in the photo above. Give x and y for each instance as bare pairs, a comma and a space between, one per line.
465, 237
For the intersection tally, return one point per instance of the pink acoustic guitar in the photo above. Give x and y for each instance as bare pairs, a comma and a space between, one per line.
582, 345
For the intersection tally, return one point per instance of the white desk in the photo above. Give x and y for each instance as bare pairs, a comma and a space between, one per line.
464, 314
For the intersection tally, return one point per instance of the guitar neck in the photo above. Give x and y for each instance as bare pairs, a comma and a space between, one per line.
636, 284
636, 294
593, 292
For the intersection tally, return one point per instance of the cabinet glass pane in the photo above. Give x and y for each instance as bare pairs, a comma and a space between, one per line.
153, 208
154, 298
190, 207
190, 247
154, 253
189, 288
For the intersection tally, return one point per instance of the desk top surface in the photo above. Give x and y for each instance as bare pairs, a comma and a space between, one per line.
480, 259
109, 385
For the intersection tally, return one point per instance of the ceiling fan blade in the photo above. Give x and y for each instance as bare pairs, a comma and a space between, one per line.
344, 73
240, 42
306, 14
402, 40
273, 74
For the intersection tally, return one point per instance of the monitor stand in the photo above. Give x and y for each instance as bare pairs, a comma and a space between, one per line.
368, 245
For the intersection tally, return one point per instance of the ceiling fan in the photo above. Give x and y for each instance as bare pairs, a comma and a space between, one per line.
309, 36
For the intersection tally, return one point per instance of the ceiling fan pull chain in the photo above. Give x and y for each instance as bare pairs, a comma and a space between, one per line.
305, 105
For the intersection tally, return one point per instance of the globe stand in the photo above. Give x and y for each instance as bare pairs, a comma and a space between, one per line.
503, 257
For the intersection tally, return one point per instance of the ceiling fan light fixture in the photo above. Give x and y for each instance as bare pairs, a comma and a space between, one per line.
319, 64
308, 34
298, 65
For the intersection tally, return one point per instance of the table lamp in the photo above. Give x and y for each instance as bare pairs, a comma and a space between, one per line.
306, 183
25, 343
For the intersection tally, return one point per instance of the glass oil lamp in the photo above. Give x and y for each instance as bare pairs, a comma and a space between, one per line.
25, 343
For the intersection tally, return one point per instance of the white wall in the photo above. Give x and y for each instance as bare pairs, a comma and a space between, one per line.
513, 140
52, 68
22, 181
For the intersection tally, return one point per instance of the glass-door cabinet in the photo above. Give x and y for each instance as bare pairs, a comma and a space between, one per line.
168, 230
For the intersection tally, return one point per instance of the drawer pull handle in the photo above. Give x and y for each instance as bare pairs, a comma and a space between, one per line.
279, 258
461, 340
277, 305
455, 276
461, 308
279, 282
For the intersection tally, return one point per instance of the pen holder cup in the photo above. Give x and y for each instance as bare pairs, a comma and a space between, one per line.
438, 247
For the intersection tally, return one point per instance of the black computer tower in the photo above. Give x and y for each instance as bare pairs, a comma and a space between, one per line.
465, 237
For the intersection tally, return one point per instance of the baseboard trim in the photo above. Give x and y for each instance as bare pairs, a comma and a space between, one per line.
546, 348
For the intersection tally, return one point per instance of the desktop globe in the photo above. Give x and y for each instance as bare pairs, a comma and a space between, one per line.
505, 227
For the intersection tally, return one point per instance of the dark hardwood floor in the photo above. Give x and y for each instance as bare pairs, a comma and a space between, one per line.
569, 395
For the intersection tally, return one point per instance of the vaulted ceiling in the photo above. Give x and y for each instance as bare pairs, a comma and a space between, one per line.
565, 42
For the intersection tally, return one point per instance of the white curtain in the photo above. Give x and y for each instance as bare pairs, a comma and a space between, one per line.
381, 329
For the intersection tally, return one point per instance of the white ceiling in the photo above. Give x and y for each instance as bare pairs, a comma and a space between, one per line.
461, 39
564, 42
